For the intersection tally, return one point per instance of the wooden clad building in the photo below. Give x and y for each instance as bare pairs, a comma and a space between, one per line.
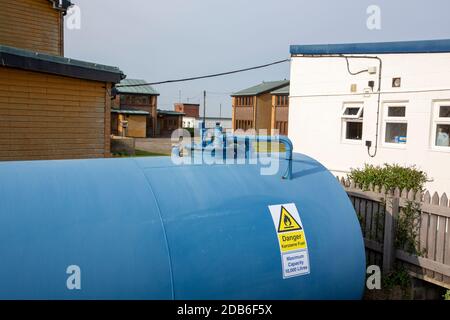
51, 107
169, 121
135, 104
35, 25
257, 107
280, 110
129, 123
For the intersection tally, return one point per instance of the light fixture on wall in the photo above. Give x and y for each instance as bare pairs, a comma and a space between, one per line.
396, 82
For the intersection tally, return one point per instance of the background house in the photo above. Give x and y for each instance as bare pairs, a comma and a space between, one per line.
336, 111
253, 107
129, 123
192, 119
191, 113
134, 95
51, 107
169, 121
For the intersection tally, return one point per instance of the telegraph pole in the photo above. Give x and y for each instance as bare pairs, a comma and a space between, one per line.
204, 107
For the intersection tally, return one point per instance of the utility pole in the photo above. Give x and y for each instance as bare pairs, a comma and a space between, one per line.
220, 111
204, 107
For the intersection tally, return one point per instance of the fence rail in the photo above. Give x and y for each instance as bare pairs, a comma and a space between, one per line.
379, 210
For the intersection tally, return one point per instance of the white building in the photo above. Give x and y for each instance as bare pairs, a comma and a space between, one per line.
337, 110
210, 122
189, 122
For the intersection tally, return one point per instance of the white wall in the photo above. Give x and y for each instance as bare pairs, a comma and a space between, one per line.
226, 123
189, 122
320, 87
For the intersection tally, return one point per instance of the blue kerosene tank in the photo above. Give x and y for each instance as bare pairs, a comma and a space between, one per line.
145, 228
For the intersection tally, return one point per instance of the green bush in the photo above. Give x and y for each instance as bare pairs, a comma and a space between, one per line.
390, 176
447, 295
407, 229
191, 131
398, 277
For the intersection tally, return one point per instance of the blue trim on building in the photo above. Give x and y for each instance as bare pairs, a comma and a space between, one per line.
427, 46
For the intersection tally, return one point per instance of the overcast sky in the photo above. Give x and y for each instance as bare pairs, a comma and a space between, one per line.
160, 40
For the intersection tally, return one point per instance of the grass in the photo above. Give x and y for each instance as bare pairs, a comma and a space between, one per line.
267, 147
140, 153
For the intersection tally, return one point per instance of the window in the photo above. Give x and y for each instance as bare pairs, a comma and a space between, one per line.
282, 101
352, 112
441, 125
352, 121
396, 125
244, 101
353, 130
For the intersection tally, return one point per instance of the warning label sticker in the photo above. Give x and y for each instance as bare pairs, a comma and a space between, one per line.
287, 222
291, 239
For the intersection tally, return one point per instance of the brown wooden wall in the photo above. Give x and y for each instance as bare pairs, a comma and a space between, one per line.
137, 125
52, 117
243, 112
263, 112
253, 112
280, 113
141, 103
31, 24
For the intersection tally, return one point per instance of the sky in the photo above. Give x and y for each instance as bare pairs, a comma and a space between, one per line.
170, 39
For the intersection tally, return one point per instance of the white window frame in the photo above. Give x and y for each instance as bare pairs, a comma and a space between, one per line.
352, 105
387, 119
438, 121
358, 118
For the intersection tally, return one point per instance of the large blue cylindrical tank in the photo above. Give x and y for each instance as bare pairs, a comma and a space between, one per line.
145, 228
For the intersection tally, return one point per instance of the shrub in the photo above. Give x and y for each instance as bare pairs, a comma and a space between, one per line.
390, 176
447, 295
407, 229
191, 131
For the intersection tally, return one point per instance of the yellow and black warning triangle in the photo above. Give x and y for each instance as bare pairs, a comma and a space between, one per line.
287, 222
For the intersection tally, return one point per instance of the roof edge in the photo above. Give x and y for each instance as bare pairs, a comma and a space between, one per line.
121, 87
242, 93
44, 63
423, 46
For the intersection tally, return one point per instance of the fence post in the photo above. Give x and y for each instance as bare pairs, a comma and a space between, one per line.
392, 210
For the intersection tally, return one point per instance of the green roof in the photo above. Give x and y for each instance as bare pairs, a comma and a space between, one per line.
261, 88
133, 112
282, 90
141, 89
170, 113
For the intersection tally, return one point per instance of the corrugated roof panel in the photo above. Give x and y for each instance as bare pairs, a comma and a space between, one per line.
282, 90
132, 112
170, 113
141, 89
261, 88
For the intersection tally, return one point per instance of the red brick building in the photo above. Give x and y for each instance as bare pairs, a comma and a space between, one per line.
190, 110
